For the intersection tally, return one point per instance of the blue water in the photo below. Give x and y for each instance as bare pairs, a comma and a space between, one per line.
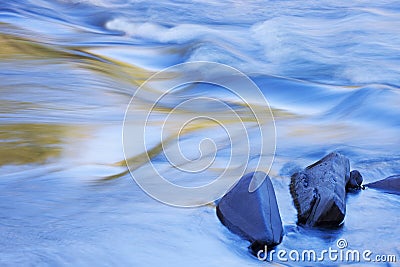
68, 69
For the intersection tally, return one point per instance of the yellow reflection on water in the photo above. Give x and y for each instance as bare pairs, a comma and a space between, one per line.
30, 143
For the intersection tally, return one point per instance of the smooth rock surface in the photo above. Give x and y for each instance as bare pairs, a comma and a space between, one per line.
319, 191
254, 216
390, 185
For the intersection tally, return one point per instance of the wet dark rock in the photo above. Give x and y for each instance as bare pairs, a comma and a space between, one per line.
254, 216
355, 181
390, 185
319, 191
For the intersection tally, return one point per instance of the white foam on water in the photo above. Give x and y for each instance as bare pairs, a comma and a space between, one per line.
181, 33
341, 47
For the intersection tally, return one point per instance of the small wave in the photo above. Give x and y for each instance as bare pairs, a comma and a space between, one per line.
374, 103
181, 33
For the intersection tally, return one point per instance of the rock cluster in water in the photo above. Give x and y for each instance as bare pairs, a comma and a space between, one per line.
318, 192
252, 215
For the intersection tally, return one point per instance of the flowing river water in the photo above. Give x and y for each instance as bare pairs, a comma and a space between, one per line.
330, 71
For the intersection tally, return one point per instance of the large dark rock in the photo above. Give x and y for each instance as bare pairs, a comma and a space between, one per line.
254, 216
319, 191
390, 185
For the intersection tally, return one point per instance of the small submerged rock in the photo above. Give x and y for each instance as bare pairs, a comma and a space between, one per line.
390, 184
252, 215
355, 181
319, 190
